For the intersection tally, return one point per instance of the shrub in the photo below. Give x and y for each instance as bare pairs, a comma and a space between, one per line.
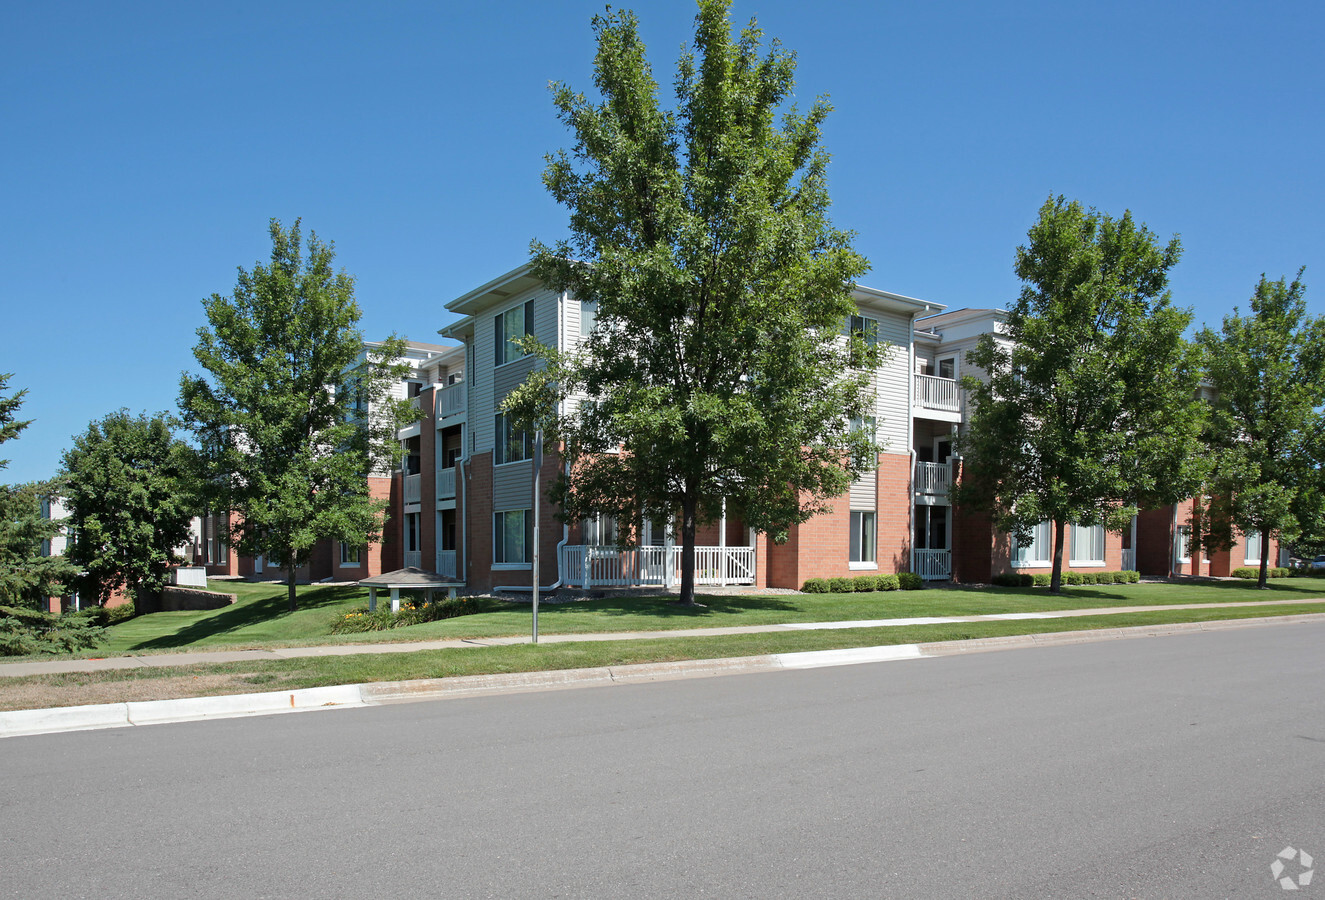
840, 586
1006, 579
25, 631
1246, 572
1279, 572
123, 613
910, 581
1133, 576
815, 586
1120, 578
865, 584
1072, 578
1041, 579
359, 619
1089, 577
889, 583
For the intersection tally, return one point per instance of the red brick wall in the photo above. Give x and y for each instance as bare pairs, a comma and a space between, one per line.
974, 552
478, 493
428, 462
893, 502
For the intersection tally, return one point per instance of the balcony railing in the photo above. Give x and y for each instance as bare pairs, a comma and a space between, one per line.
414, 558
451, 401
446, 483
933, 392
932, 565
412, 488
588, 566
933, 478
446, 563
1129, 560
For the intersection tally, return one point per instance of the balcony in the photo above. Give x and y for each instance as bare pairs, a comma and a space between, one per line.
933, 479
938, 398
589, 566
412, 488
413, 559
451, 401
445, 484
446, 563
932, 565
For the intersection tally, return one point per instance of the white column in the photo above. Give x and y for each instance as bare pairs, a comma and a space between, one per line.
722, 545
395, 600
372, 599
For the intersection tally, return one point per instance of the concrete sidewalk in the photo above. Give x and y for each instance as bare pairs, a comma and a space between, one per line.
202, 657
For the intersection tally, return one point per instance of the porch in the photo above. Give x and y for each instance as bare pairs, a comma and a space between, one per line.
587, 566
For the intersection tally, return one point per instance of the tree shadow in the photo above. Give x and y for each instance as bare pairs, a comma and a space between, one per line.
664, 606
247, 613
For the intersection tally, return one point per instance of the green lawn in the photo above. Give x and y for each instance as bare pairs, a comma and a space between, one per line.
230, 678
260, 618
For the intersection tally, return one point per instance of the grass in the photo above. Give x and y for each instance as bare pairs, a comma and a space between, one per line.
229, 678
260, 619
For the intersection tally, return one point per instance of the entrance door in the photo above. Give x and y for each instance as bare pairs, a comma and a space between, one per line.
257, 564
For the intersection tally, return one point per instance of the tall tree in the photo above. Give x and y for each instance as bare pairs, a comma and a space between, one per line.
1267, 371
29, 574
275, 415
130, 489
701, 234
1089, 405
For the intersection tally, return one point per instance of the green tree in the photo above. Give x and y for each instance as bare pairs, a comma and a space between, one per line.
1267, 372
130, 488
278, 415
28, 573
1089, 406
701, 234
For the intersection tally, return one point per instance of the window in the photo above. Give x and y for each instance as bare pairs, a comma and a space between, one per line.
1183, 542
867, 425
350, 556
862, 537
412, 532
511, 326
1087, 545
588, 316
1253, 554
948, 368
510, 444
512, 536
867, 328
600, 531
1036, 551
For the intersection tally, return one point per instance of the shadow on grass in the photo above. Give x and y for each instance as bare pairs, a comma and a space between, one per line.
666, 607
245, 614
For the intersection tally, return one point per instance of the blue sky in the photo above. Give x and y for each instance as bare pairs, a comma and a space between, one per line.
145, 146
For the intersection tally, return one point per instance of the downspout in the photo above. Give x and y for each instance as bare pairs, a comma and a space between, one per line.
1173, 540
466, 438
911, 440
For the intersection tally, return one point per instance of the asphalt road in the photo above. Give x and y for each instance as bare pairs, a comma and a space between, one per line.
1161, 767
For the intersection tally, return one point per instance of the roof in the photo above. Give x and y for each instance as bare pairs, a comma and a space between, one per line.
409, 577
516, 281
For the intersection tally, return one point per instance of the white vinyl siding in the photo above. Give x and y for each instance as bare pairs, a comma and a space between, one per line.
1087, 546
512, 485
488, 383
1039, 552
891, 383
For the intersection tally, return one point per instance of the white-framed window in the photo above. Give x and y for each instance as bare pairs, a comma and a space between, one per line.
947, 367
511, 444
869, 426
588, 316
515, 323
1087, 547
862, 537
1253, 552
412, 532
1183, 540
1037, 552
512, 537
350, 556
867, 328
600, 531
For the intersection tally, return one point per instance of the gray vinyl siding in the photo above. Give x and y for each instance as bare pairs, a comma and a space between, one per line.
508, 377
512, 486
891, 383
864, 490
489, 384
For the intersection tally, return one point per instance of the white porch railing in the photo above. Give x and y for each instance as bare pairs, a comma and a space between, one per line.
414, 558
933, 392
933, 478
932, 565
446, 483
589, 566
446, 563
1129, 560
451, 400
412, 488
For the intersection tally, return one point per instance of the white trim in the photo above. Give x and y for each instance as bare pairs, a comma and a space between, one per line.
512, 567
862, 565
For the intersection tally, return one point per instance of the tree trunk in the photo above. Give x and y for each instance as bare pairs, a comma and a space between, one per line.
689, 509
1265, 560
1056, 580
289, 580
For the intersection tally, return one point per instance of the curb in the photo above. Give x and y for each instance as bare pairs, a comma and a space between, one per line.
17, 723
